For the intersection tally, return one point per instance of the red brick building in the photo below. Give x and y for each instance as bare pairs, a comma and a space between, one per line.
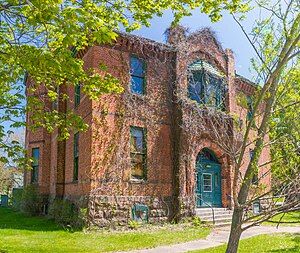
147, 148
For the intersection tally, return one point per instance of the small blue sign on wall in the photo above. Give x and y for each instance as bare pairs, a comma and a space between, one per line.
4, 200
256, 207
140, 213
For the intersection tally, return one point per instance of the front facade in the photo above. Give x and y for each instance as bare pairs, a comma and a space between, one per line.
151, 149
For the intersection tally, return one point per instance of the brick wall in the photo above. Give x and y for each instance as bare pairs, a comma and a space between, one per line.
39, 138
104, 150
203, 46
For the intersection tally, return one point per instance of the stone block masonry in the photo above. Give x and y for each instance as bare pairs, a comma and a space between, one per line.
111, 211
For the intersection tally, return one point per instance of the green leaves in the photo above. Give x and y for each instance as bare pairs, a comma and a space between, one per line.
39, 37
276, 39
285, 126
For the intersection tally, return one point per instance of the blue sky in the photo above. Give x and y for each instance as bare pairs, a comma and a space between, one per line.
227, 31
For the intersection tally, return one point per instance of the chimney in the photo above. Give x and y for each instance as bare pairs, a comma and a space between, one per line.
176, 34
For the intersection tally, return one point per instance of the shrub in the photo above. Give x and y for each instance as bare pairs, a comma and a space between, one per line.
132, 224
196, 221
31, 201
16, 198
66, 213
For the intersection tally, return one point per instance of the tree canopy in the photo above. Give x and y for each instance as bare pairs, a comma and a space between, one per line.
276, 39
285, 127
39, 37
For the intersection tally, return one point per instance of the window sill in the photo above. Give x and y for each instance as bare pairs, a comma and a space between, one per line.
138, 96
137, 181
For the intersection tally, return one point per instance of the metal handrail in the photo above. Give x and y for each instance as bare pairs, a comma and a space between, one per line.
210, 206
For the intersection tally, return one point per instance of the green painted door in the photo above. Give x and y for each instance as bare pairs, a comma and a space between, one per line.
208, 190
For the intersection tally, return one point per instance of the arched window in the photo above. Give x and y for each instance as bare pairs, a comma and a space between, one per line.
206, 84
207, 155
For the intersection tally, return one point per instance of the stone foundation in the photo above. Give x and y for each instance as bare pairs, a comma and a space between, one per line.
106, 211
187, 206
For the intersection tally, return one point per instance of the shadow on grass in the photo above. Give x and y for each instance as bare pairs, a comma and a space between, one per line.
284, 222
295, 215
293, 249
10, 219
289, 218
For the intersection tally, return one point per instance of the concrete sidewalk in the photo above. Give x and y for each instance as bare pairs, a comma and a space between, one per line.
218, 237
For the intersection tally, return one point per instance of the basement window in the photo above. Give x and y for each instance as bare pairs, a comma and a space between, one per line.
138, 153
140, 213
137, 73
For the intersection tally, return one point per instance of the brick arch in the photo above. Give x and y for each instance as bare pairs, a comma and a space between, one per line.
200, 54
225, 168
213, 147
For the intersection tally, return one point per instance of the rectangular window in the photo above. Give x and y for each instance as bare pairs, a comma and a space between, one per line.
137, 73
77, 94
206, 89
251, 153
138, 153
214, 94
35, 165
207, 182
196, 86
76, 157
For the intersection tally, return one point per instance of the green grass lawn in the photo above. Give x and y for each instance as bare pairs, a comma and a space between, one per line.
283, 243
19, 233
289, 219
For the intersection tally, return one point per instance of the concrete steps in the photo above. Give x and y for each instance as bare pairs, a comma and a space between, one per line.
222, 216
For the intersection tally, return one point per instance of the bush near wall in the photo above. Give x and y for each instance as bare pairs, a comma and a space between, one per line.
66, 213
63, 211
31, 202
16, 198
28, 200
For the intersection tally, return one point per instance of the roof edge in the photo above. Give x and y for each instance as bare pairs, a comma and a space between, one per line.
255, 85
149, 41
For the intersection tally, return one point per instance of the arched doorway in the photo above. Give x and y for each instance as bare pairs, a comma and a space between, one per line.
208, 180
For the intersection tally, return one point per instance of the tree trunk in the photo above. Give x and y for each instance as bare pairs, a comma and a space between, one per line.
236, 231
